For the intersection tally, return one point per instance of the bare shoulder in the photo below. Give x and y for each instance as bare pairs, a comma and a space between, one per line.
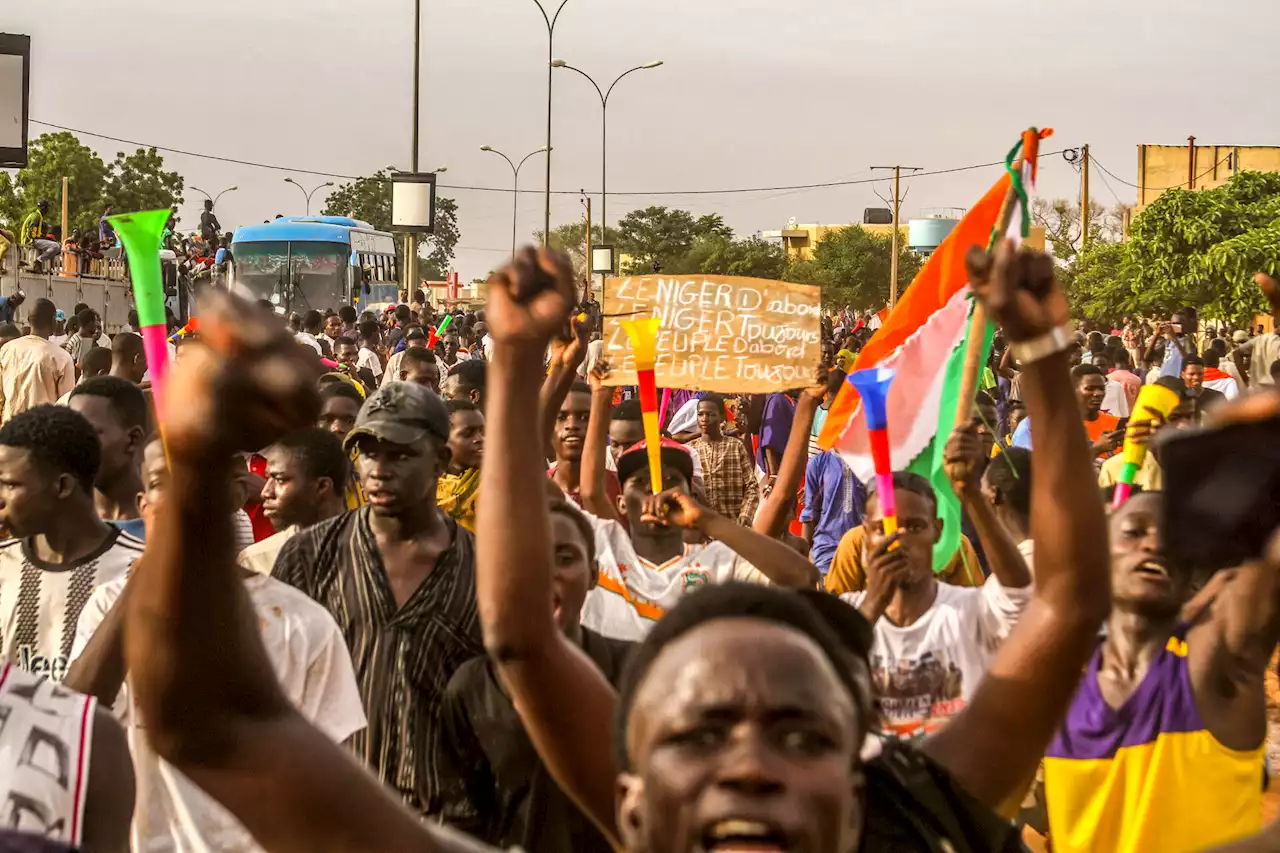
109, 794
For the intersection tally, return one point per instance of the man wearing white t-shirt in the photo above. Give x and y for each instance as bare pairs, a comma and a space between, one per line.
644, 573
933, 641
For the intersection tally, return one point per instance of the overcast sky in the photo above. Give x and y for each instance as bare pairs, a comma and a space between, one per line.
753, 93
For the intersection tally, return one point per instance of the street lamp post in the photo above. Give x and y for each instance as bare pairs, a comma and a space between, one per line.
551, 35
515, 188
604, 126
306, 194
215, 198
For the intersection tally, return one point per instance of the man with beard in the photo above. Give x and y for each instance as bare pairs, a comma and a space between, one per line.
398, 576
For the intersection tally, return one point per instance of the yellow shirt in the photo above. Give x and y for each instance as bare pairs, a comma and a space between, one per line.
456, 494
848, 575
1150, 477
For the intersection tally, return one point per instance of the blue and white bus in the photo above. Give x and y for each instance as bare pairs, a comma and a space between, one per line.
321, 262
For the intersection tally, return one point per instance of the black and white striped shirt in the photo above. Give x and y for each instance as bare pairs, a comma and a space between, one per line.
403, 658
40, 602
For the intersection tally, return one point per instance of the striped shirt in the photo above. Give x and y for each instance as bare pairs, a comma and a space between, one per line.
40, 602
403, 657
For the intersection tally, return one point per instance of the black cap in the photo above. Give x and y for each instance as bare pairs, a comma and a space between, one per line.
401, 413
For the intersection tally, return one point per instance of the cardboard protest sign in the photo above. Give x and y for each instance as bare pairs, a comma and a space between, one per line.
719, 333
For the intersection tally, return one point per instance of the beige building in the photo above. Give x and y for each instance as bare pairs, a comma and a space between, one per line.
1197, 167
799, 241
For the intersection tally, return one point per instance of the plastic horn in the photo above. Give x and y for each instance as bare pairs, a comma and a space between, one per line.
141, 234
644, 346
1155, 403
872, 386
439, 331
193, 326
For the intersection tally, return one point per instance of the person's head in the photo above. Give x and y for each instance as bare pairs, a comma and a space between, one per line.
415, 337
43, 206
571, 423
333, 326
1119, 358
154, 471
1193, 373
17, 298
466, 381
450, 344
128, 359
1091, 389
1211, 359
117, 410
1074, 353
106, 211
95, 362
1184, 321
44, 317
208, 204
1096, 342
1102, 361
1015, 414
295, 322
480, 330
313, 322
401, 441
633, 473
370, 334
340, 403
711, 415
419, 365
626, 427
346, 351
1217, 346
306, 478
347, 313
739, 724
574, 572
49, 459
403, 315
1142, 580
989, 419
9, 332
466, 434
1006, 484
918, 522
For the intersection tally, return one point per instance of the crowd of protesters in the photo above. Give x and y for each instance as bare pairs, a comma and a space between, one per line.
402, 582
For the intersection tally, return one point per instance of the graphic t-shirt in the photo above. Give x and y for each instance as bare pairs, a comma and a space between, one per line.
927, 671
40, 603
309, 656
633, 593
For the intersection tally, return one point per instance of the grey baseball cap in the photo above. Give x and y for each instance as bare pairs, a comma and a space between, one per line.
400, 413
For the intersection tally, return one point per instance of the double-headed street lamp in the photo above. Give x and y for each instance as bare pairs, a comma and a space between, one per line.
214, 199
308, 195
515, 188
551, 64
604, 126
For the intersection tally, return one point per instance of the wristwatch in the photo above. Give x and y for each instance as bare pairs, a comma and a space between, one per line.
1054, 341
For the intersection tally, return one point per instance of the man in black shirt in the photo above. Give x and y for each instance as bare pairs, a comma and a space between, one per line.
209, 225
398, 576
499, 790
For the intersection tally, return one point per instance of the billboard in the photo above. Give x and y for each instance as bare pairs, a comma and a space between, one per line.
15, 86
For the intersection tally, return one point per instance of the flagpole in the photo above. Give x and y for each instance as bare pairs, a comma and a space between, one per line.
978, 319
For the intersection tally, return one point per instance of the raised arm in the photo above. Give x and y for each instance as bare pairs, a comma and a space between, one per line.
202, 680
538, 665
995, 744
964, 466
772, 518
558, 381
596, 445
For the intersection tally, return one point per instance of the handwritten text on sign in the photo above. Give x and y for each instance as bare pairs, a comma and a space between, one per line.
719, 333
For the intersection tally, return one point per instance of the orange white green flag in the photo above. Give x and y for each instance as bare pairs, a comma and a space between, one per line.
923, 340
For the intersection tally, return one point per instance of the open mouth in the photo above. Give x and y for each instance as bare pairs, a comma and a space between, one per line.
1153, 569
748, 836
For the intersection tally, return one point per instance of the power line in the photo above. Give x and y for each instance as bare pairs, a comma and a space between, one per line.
466, 188
1160, 189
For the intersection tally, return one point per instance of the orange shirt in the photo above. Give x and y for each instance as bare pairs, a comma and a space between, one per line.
1096, 429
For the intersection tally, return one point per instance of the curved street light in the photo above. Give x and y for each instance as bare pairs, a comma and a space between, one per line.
515, 187
551, 64
215, 198
604, 126
306, 194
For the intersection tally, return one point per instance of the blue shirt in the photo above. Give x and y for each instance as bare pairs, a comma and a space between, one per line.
6, 310
135, 527
220, 256
834, 501
1022, 435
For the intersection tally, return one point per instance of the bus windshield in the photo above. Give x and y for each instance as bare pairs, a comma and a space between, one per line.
317, 278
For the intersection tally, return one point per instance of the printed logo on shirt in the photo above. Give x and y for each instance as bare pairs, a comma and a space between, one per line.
693, 580
35, 663
917, 695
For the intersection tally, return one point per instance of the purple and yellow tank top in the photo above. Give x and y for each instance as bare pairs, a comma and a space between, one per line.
1147, 776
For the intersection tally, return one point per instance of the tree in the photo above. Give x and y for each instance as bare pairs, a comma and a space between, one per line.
571, 238
659, 235
1100, 283
1060, 219
718, 255
852, 267
138, 181
52, 156
369, 199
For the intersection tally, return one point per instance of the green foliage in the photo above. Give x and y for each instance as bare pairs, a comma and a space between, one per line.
852, 267
369, 199
138, 181
660, 235
1198, 248
571, 238
52, 156
720, 255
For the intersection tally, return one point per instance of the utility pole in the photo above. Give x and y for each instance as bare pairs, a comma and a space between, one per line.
411, 240
1084, 197
896, 204
586, 281
66, 209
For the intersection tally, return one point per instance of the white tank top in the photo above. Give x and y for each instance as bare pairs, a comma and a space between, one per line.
45, 735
